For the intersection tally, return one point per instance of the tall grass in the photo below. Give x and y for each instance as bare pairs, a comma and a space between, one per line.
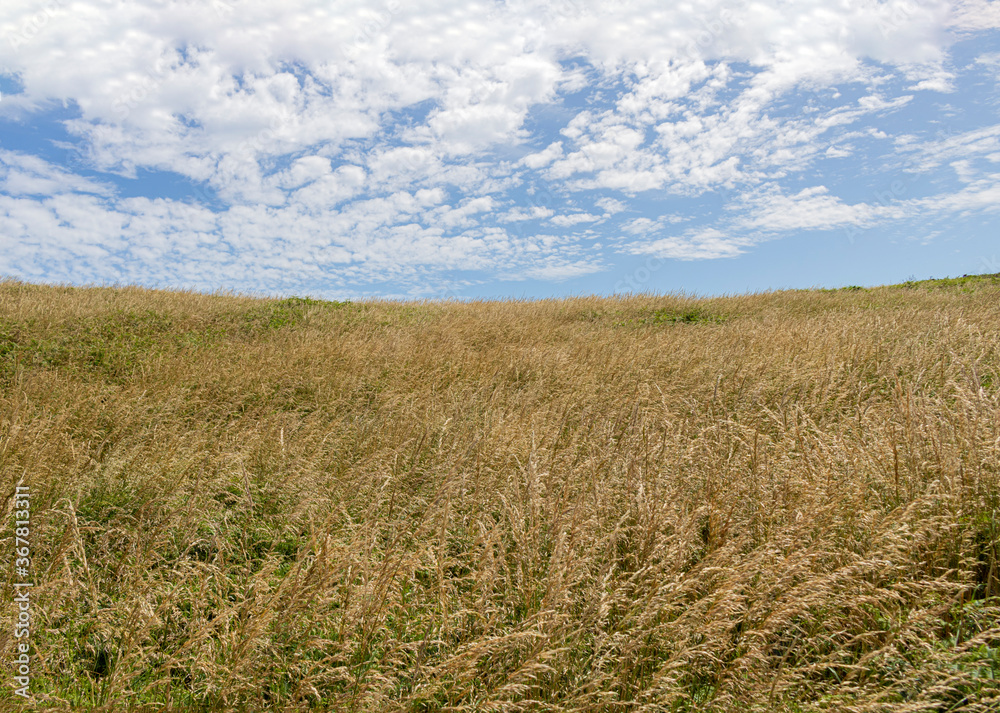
773, 502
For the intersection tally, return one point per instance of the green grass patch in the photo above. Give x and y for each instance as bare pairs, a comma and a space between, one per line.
965, 283
279, 314
675, 315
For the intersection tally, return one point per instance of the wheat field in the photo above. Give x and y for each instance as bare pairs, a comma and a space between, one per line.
785, 501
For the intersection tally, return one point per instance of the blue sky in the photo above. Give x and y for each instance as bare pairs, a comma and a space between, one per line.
498, 149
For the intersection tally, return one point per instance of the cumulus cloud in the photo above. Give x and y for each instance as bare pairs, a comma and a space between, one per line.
26, 175
610, 206
981, 195
574, 219
543, 158
376, 142
809, 209
706, 244
556, 270
533, 213
973, 15
649, 226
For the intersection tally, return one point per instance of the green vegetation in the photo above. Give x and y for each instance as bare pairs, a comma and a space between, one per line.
966, 283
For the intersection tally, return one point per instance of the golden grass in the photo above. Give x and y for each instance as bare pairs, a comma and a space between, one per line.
774, 502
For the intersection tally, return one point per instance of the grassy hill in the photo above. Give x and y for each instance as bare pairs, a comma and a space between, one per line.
774, 502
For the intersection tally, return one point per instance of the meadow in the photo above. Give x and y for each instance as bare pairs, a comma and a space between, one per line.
784, 501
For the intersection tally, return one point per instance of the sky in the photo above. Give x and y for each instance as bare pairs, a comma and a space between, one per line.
464, 149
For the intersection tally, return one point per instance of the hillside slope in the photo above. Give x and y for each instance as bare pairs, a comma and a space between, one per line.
773, 502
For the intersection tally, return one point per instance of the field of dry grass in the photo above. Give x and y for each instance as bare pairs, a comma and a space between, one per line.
773, 502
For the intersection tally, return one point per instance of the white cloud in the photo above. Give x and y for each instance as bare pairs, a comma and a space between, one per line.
705, 244
304, 170
769, 213
931, 78
923, 156
809, 209
205, 93
641, 226
610, 206
449, 217
574, 219
543, 158
973, 15
90, 238
557, 270
648, 226
368, 141
981, 195
534, 213
22, 175
262, 67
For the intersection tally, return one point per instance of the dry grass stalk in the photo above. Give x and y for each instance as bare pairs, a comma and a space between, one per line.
773, 502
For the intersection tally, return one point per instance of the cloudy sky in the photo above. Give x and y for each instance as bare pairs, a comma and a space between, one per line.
463, 148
